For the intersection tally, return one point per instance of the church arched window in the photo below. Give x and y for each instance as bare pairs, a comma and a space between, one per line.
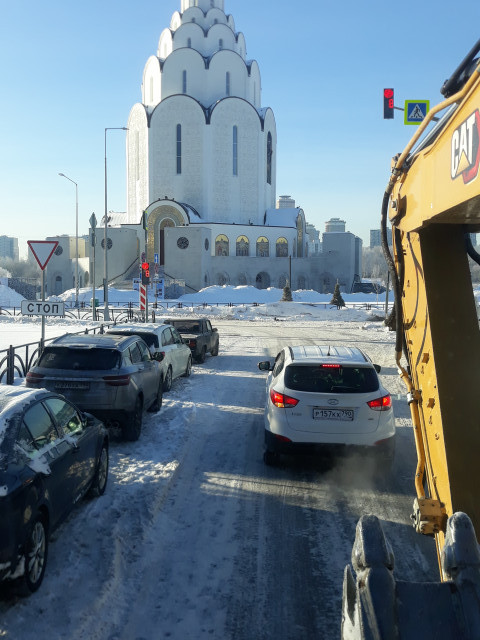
220, 44
221, 245
299, 237
281, 248
235, 150
263, 247
269, 158
189, 42
243, 245
179, 148
184, 81
212, 3
227, 83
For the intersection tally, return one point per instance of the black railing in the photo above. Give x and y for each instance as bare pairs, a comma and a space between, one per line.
20, 359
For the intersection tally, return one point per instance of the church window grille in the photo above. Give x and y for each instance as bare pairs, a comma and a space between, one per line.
227, 83
184, 81
263, 247
235, 150
221, 245
299, 237
269, 157
282, 248
220, 44
179, 148
243, 245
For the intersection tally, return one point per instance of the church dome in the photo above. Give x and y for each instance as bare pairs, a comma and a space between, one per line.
201, 135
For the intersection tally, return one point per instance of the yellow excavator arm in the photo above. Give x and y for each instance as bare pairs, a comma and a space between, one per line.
433, 203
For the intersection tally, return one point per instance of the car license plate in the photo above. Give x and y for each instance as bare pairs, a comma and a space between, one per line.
72, 385
320, 413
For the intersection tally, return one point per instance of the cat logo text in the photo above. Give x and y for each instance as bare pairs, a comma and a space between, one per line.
465, 157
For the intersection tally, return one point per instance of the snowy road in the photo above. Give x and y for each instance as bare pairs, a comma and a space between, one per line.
196, 538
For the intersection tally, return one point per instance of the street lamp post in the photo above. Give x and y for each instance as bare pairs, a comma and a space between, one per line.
76, 236
106, 312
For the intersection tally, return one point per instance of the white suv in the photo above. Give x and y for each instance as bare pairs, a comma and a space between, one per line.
166, 346
329, 396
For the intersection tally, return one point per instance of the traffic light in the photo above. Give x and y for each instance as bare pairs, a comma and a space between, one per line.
145, 273
388, 104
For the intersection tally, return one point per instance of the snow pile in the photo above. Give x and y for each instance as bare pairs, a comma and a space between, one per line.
9, 297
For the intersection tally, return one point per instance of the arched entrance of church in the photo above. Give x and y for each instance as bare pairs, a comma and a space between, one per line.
262, 281
158, 219
167, 222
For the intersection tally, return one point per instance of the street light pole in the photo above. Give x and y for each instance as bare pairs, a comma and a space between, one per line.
106, 312
76, 236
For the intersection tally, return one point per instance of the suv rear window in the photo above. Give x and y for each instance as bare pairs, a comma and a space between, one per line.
79, 359
316, 378
185, 326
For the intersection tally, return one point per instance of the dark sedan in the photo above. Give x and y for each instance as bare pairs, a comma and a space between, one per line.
51, 455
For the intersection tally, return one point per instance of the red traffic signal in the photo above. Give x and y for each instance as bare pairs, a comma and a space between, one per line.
388, 104
145, 273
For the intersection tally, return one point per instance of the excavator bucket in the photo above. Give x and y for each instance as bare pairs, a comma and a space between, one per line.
377, 606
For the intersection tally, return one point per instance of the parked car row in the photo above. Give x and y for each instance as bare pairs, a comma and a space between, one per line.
54, 440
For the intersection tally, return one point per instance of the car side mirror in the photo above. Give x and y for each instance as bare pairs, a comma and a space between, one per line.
264, 366
377, 368
214, 329
159, 356
87, 420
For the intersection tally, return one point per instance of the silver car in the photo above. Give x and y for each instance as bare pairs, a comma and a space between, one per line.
166, 346
113, 377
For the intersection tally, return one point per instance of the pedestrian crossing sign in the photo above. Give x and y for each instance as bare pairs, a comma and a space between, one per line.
416, 111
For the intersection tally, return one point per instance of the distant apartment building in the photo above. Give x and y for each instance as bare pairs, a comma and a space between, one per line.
335, 225
285, 202
376, 237
314, 244
9, 247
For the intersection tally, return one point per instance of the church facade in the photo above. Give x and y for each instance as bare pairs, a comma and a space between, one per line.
201, 159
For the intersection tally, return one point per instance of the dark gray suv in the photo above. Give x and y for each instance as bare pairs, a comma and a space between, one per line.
112, 377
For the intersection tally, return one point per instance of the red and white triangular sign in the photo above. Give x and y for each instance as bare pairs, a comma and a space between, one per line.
42, 250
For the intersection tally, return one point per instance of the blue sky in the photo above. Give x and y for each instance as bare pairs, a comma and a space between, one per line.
71, 69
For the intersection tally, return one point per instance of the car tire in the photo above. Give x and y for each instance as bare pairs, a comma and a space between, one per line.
167, 383
99, 483
188, 369
133, 426
214, 351
202, 355
270, 458
36, 553
157, 403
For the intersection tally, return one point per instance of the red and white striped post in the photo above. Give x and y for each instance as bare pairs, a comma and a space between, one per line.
143, 300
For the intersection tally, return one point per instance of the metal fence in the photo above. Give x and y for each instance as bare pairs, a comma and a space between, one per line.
19, 359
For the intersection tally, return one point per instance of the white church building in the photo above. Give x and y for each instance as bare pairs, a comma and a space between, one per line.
201, 172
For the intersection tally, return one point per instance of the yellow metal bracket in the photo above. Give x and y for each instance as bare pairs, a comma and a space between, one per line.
429, 516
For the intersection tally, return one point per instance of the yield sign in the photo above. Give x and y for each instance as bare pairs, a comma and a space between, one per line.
42, 250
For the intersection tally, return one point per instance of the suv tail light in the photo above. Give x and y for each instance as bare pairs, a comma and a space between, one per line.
192, 343
34, 378
117, 381
381, 404
281, 400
